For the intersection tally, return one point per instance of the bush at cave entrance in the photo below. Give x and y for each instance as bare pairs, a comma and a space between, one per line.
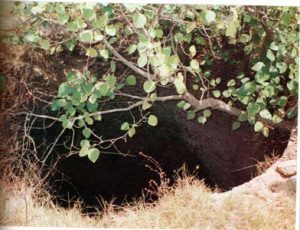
156, 53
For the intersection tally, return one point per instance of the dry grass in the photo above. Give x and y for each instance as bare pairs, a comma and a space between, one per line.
189, 204
262, 166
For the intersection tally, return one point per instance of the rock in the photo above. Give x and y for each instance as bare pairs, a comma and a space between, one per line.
287, 168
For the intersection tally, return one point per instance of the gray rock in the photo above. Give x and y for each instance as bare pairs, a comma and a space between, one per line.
287, 168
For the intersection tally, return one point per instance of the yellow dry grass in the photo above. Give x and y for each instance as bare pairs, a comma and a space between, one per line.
188, 204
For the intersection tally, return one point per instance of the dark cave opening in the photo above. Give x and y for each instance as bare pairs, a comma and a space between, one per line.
219, 155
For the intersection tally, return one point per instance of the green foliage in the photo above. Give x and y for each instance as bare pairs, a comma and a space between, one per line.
152, 120
175, 56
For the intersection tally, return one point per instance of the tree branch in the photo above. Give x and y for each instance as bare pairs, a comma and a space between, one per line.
222, 106
197, 104
125, 61
117, 110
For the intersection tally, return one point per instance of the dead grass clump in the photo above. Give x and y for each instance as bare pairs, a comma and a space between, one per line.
262, 166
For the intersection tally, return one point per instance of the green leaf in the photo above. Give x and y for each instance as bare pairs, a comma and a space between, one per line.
193, 50
152, 120
131, 132
44, 44
86, 36
191, 115
270, 55
89, 14
103, 89
93, 154
216, 93
282, 67
265, 114
181, 104
274, 46
258, 66
292, 112
236, 125
202, 120
244, 38
104, 53
258, 126
64, 90
131, 80
113, 66
146, 105
37, 9
142, 60
206, 113
265, 132
91, 52
190, 27
195, 87
247, 89
292, 85
101, 22
132, 48
111, 30
98, 36
71, 111
186, 106
66, 123
31, 37
139, 20
131, 7
89, 120
159, 33
232, 28
253, 108
125, 126
62, 102
226, 93
243, 117
98, 117
261, 77
60, 9
92, 107
276, 119
231, 83
208, 16
282, 101
75, 25
194, 64
86, 132
81, 123
111, 81
179, 84
149, 86
85, 145
71, 44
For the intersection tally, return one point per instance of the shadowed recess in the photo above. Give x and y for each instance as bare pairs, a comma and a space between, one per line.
222, 157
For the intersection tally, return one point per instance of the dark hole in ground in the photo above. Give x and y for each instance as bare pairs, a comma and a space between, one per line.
225, 158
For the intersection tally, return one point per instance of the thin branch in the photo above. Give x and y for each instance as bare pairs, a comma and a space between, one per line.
126, 62
37, 115
162, 99
156, 20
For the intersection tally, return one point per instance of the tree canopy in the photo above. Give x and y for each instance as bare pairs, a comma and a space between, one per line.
167, 53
